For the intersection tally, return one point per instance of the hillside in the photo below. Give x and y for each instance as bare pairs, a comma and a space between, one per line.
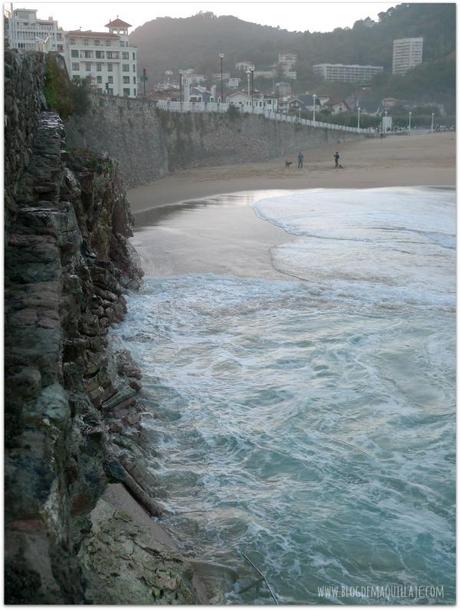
195, 42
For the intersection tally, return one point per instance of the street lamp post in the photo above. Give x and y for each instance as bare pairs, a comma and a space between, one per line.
252, 89
314, 108
432, 122
359, 115
180, 89
248, 73
410, 121
221, 57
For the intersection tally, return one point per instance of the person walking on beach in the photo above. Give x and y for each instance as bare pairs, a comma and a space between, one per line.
336, 159
300, 160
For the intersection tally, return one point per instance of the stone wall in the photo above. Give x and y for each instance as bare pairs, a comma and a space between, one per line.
148, 143
23, 99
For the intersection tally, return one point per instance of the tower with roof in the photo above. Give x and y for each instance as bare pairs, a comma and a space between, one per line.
107, 58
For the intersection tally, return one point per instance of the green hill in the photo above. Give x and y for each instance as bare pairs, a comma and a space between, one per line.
195, 42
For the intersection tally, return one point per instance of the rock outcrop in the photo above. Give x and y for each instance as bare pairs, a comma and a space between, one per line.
77, 501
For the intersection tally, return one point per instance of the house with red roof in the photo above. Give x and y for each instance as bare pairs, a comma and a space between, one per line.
106, 58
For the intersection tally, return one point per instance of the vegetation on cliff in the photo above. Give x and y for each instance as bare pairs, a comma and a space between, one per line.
62, 95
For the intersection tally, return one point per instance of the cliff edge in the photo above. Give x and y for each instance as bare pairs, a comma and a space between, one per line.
79, 515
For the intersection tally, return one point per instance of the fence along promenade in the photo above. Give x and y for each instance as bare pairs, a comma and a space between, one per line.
268, 114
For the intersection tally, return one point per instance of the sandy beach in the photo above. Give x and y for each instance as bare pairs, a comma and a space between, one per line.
415, 160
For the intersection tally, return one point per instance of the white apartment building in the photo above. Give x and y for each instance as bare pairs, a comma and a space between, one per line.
106, 57
287, 60
244, 66
407, 53
26, 31
353, 73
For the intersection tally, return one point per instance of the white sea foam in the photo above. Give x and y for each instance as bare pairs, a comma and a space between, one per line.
389, 246
301, 422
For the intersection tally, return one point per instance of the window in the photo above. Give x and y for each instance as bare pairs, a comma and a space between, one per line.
99, 54
126, 80
88, 54
74, 53
135, 93
110, 67
126, 92
125, 55
134, 80
97, 42
88, 66
110, 80
75, 67
99, 67
99, 79
125, 68
134, 67
108, 43
72, 41
86, 42
134, 56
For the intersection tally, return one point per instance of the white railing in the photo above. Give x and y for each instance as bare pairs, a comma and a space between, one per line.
268, 114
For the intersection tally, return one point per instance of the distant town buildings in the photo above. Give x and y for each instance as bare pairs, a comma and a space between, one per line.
106, 57
287, 63
283, 89
243, 66
267, 73
407, 53
233, 83
24, 30
287, 60
353, 73
217, 75
245, 101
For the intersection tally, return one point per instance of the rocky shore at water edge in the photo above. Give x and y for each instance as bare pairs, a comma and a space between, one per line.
80, 505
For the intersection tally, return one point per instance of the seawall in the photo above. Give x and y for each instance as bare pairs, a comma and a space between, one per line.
149, 143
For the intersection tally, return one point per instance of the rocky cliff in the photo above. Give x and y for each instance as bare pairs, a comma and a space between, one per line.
148, 143
78, 504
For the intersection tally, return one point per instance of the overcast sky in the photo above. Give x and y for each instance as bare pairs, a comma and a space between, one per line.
314, 16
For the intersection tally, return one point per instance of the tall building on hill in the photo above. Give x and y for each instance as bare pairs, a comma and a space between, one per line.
407, 53
106, 57
346, 73
25, 31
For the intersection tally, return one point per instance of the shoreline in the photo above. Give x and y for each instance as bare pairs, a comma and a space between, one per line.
201, 221
221, 234
419, 160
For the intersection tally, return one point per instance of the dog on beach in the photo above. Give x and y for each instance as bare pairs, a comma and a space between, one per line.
288, 164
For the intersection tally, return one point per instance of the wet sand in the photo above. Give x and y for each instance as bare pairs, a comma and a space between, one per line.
416, 160
220, 234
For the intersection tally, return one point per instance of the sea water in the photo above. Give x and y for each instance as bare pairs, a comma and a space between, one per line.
308, 424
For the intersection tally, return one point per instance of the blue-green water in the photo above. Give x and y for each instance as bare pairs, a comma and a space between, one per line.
311, 424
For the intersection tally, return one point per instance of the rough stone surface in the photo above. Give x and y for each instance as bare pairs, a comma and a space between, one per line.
71, 412
148, 143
